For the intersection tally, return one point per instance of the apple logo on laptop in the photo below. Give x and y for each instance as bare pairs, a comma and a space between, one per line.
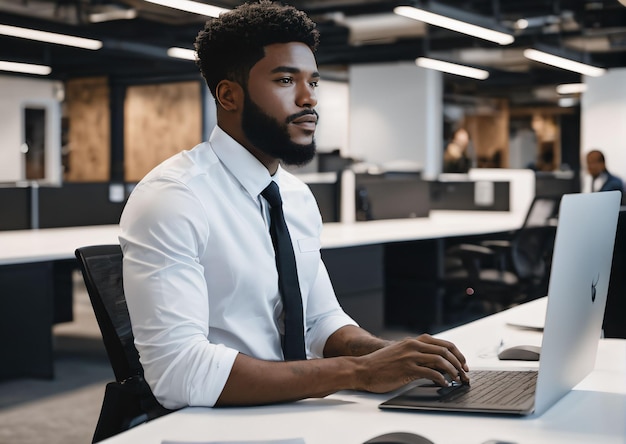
593, 288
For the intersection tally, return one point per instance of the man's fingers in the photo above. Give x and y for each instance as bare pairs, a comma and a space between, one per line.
442, 356
449, 346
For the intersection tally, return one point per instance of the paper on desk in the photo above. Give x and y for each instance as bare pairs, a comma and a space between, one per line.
263, 441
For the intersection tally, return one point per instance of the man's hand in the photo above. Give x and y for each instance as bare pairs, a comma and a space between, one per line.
404, 361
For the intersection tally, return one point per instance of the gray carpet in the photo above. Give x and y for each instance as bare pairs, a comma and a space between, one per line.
63, 410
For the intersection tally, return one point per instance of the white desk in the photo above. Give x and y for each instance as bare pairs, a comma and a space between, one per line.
594, 412
33, 273
23, 246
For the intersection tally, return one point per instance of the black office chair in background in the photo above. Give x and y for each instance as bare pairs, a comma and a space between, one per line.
128, 401
499, 273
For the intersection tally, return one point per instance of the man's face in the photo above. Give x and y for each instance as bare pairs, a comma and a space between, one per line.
278, 117
595, 166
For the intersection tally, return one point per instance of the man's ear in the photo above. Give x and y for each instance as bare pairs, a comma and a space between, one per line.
229, 95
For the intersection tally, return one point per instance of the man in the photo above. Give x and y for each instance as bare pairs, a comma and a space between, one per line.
601, 179
200, 274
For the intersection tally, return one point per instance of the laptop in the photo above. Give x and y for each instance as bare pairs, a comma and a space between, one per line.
577, 293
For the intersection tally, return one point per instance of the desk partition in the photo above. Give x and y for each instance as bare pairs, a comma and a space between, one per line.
391, 196
15, 204
70, 205
466, 195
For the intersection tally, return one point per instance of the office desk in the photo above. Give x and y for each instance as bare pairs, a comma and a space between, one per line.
27, 246
593, 412
36, 292
35, 278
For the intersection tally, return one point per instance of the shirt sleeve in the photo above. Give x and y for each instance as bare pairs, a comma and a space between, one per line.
324, 314
163, 232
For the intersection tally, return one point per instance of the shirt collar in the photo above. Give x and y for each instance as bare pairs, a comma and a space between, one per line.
251, 174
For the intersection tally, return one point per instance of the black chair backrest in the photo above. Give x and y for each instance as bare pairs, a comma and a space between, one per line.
532, 243
531, 251
101, 266
543, 211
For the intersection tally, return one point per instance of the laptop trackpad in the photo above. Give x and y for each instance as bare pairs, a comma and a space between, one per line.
430, 391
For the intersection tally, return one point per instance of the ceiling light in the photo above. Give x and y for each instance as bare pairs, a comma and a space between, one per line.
571, 88
444, 21
568, 102
452, 68
189, 6
182, 53
113, 14
50, 37
521, 24
562, 62
25, 68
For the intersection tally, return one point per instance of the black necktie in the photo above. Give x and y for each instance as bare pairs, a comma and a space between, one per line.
293, 342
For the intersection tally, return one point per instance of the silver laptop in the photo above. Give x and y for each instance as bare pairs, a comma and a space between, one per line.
577, 292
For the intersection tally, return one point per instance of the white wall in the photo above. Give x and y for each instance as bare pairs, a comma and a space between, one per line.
17, 93
603, 120
333, 110
396, 114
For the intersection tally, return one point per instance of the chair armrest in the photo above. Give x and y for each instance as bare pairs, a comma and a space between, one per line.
470, 251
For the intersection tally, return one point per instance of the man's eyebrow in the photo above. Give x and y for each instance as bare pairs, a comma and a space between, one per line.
292, 70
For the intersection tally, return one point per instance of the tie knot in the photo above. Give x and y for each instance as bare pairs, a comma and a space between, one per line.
272, 194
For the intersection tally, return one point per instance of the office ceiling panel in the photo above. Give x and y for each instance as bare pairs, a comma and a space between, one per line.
353, 31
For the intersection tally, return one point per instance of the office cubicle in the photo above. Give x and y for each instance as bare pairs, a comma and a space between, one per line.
556, 183
78, 204
15, 213
326, 187
69, 205
391, 195
469, 195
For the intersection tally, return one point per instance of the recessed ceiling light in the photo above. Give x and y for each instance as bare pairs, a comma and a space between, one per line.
182, 53
190, 6
454, 24
50, 37
563, 63
25, 68
452, 68
571, 88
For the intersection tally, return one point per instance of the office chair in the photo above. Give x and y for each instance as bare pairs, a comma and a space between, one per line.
500, 273
128, 401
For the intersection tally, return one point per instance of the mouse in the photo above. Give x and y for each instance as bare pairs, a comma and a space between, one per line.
520, 353
399, 438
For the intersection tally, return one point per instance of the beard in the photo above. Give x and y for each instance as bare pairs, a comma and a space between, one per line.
270, 136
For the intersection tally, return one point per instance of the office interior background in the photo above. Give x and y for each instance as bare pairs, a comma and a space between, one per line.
77, 135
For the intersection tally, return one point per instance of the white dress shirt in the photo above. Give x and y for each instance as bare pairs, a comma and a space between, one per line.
200, 275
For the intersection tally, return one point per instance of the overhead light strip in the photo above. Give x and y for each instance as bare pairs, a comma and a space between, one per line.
452, 68
50, 37
563, 63
25, 68
182, 53
454, 25
189, 6
571, 88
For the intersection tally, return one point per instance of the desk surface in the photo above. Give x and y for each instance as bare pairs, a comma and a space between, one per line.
22, 246
593, 412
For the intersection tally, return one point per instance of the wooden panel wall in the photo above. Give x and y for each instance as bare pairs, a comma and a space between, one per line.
159, 121
489, 131
89, 132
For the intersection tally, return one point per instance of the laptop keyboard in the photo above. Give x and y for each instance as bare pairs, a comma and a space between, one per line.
495, 388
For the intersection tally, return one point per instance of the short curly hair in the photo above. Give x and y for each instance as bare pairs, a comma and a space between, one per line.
229, 46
